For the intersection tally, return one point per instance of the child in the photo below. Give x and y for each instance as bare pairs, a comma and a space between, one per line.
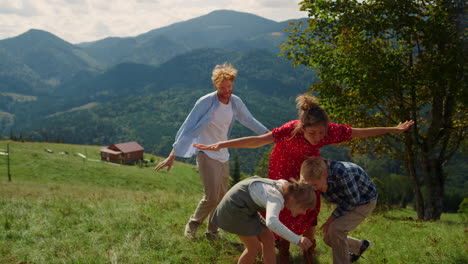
237, 213
351, 189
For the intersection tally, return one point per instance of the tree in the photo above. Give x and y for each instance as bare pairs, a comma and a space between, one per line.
262, 166
236, 175
380, 62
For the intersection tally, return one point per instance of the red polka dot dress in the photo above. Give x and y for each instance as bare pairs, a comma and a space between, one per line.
286, 159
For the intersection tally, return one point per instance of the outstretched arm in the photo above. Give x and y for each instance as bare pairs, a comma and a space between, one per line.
375, 131
244, 142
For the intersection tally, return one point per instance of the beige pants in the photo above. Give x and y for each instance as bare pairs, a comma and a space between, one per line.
337, 236
215, 178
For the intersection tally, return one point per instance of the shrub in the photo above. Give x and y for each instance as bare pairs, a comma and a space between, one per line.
463, 209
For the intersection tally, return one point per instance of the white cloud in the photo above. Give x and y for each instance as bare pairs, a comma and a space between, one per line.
23, 8
89, 20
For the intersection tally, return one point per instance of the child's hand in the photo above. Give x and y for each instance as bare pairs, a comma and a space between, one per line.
305, 243
314, 244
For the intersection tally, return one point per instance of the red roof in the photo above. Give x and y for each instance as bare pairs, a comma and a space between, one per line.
127, 147
110, 151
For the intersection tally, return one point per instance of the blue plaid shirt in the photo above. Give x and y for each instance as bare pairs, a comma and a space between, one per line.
349, 186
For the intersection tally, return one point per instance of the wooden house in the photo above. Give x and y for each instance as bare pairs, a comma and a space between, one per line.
125, 153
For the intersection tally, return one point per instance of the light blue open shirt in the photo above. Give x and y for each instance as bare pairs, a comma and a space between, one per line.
200, 117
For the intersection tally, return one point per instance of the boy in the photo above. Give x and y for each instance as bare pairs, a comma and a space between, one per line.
349, 187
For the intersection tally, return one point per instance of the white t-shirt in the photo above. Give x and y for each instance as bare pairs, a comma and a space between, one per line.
270, 197
217, 131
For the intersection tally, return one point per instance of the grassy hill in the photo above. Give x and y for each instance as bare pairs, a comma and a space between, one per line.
61, 208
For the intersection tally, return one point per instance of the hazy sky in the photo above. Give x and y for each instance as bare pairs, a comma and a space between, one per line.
88, 20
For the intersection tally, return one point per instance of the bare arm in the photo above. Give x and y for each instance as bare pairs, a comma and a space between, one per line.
168, 162
375, 131
244, 142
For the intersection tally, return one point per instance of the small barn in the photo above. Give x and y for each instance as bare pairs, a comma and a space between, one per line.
125, 153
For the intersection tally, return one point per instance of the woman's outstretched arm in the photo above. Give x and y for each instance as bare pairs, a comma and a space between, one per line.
375, 131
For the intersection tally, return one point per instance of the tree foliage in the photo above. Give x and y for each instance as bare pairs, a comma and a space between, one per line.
235, 171
381, 62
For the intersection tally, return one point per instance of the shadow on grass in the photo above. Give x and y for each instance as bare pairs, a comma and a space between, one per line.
236, 248
399, 218
239, 247
411, 219
298, 260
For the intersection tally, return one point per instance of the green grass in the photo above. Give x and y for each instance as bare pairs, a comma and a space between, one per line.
398, 238
60, 208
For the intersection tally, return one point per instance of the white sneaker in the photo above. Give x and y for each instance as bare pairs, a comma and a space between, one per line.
190, 229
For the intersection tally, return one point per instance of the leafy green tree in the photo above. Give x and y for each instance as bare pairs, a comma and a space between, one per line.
381, 62
463, 209
236, 174
262, 166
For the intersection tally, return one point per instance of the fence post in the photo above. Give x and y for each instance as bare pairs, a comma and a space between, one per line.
8, 162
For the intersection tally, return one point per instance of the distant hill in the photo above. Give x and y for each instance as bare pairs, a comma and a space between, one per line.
18, 77
223, 29
38, 62
142, 88
148, 104
154, 51
44, 58
214, 29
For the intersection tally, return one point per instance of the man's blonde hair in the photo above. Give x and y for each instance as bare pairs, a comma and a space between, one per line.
312, 168
223, 72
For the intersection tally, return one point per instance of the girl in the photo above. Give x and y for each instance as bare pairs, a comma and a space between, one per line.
237, 213
294, 142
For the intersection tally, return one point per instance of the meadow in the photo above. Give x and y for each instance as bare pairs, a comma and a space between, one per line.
62, 208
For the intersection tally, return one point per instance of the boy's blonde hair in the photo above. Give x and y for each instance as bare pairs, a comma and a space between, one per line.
223, 72
312, 168
303, 193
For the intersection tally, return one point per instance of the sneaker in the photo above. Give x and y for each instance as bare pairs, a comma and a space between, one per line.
353, 257
365, 245
190, 229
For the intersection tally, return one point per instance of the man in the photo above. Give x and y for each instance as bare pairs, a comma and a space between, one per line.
210, 121
349, 187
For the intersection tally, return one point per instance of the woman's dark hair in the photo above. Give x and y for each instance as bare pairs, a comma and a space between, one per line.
310, 113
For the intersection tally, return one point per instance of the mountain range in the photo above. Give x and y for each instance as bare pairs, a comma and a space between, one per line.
141, 88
